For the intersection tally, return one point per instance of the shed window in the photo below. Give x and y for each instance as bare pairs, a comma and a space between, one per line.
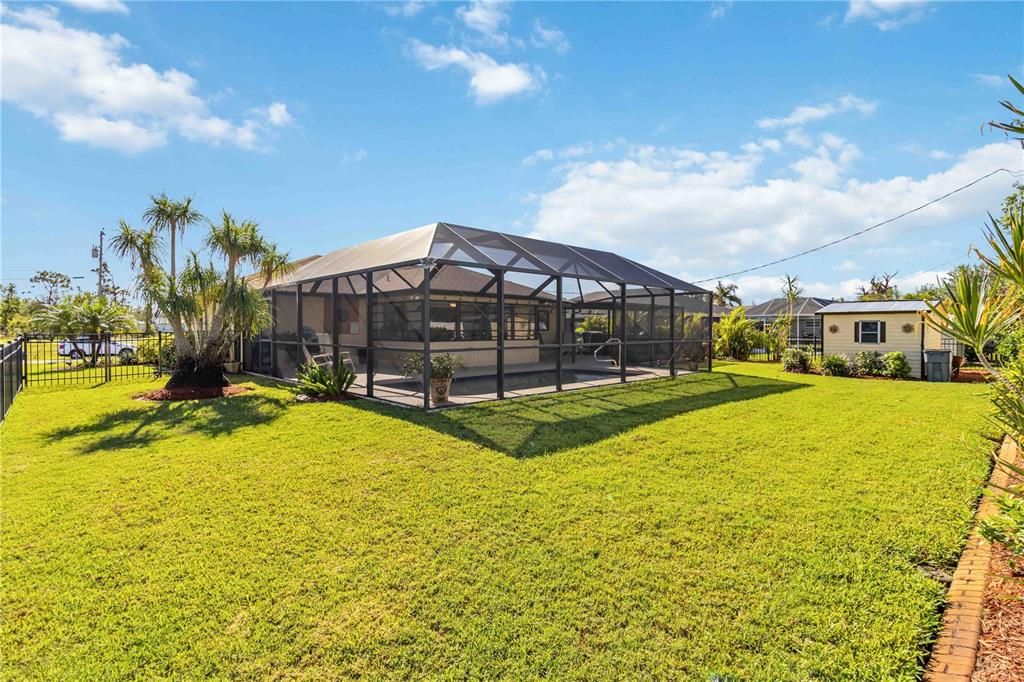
869, 331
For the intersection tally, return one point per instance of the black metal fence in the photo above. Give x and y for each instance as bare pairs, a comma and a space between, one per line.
12, 374
55, 359
811, 346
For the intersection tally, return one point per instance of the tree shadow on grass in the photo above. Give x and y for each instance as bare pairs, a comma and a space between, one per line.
528, 427
148, 423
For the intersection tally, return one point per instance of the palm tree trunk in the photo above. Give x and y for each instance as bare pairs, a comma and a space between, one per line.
174, 265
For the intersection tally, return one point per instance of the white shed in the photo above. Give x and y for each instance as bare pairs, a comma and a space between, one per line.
884, 326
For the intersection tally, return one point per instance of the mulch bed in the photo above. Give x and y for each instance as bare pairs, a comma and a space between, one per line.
971, 376
1001, 647
303, 398
164, 394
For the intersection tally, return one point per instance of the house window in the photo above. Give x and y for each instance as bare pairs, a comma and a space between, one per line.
869, 331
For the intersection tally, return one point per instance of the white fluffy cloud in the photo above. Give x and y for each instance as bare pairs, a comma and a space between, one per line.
99, 5
710, 212
549, 36
487, 18
886, 15
489, 80
404, 9
79, 82
719, 9
278, 114
805, 114
990, 80
572, 151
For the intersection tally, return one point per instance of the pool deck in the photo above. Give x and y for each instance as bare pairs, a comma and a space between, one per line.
385, 385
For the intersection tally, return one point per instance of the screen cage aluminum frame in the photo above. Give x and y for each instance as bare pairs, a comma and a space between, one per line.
514, 309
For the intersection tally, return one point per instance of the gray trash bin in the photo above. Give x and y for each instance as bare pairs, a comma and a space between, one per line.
937, 364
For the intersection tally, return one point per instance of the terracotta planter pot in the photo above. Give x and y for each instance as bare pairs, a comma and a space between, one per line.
439, 390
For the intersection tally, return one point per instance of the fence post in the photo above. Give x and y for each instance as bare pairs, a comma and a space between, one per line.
159, 353
106, 348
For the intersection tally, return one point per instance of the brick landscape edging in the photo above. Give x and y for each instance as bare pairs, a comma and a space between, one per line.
956, 649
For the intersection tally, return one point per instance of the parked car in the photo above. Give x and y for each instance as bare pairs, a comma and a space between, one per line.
83, 347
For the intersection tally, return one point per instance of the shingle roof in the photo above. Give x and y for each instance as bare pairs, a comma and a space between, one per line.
875, 307
780, 306
483, 248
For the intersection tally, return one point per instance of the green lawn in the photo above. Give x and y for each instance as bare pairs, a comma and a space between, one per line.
746, 522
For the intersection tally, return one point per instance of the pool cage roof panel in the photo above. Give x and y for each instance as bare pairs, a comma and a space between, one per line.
473, 247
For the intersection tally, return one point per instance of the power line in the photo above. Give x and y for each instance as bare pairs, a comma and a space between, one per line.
1015, 174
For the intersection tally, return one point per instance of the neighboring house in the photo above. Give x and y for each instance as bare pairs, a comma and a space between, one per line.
883, 326
806, 325
720, 311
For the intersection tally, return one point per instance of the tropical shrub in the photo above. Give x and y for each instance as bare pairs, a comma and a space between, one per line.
325, 380
593, 323
869, 363
796, 360
835, 365
895, 365
734, 335
759, 339
148, 349
1007, 528
442, 365
1011, 344
777, 334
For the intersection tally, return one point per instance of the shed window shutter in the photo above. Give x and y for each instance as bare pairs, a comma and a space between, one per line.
856, 332
881, 332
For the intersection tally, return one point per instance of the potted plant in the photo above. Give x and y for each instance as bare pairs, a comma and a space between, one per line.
442, 370
232, 366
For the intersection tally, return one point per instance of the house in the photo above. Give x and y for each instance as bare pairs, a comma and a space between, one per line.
805, 328
720, 311
883, 326
508, 306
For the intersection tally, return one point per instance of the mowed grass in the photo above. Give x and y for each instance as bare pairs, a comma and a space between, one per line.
745, 522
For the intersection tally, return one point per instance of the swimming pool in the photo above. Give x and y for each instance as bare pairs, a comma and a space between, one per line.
514, 381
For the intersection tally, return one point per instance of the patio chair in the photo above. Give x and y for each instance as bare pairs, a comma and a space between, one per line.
327, 359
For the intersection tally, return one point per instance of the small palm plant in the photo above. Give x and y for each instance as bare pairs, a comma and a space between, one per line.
325, 381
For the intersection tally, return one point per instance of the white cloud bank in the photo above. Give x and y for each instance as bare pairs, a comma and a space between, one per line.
489, 81
710, 212
78, 81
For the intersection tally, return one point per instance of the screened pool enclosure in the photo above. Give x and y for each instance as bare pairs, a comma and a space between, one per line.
522, 315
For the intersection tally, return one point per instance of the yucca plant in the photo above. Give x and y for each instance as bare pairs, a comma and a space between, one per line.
971, 314
325, 381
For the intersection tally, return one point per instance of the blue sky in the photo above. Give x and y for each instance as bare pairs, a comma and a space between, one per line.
699, 138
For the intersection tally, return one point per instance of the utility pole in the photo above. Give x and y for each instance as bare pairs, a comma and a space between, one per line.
97, 252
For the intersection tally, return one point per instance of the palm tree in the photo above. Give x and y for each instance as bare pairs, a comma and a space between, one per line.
791, 289
725, 294
85, 313
168, 215
206, 307
1016, 125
